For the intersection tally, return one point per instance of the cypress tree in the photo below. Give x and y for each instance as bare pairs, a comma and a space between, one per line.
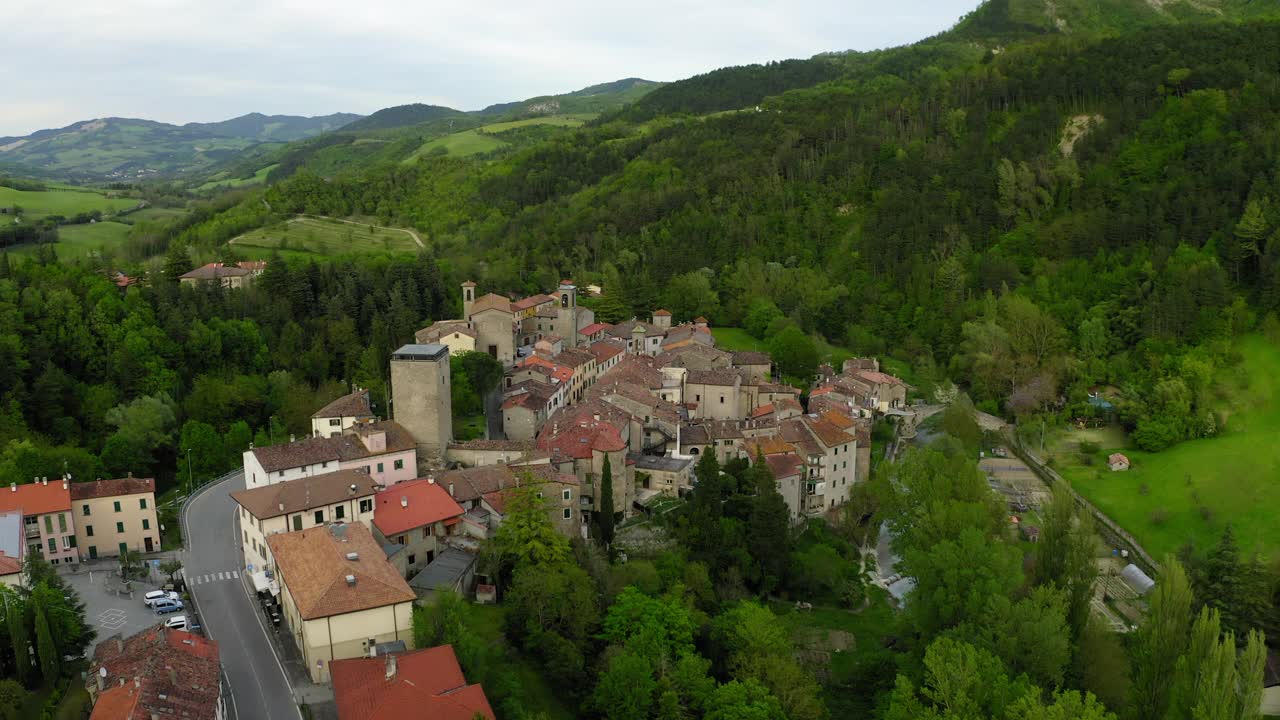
15, 613
604, 517
45, 647
770, 526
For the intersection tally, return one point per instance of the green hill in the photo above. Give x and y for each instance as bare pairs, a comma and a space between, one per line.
1007, 19
595, 99
401, 116
279, 128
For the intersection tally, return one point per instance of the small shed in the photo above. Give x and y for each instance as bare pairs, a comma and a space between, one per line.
1118, 462
450, 570
1031, 533
1136, 579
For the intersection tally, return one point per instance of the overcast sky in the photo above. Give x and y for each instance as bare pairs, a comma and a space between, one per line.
206, 60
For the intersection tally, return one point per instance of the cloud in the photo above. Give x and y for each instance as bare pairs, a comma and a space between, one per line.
202, 60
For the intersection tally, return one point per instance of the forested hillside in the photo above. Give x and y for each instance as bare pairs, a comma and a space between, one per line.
1067, 212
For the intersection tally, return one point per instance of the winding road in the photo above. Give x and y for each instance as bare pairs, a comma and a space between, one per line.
259, 686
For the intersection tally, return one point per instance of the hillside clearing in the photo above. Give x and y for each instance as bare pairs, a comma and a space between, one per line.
1191, 492
327, 236
258, 177
80, 241
478, 141
61, 202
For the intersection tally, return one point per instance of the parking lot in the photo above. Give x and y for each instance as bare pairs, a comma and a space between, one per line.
108, 608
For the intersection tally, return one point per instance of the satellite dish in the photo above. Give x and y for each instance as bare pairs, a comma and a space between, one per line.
102, 671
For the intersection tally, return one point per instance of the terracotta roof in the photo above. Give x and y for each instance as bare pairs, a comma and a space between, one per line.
313, 565
626, 329
9, 565
839, 419
531, 301
661, 313
878, 377
177, 674
468, 283
347, 446
798, 434
784, 465
36, 498
578, 440
355, 404
768, 446
604, 350
563, 373
574, 358
762, 411
111, 488
637, 370
213, 271
723, 430
714, 376
473, 483
749, 357
305, 493
700, 319
694, 435
491, 302
427, 683
414, 504
1117, 457
829, 434
594, 328
252, 265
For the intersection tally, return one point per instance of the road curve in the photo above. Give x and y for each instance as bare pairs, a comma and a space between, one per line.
259, 687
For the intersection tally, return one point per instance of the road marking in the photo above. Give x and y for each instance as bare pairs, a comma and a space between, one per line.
235, 574
112, 619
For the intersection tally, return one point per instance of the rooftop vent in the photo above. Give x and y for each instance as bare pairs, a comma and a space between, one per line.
353, 556
404, 501
351, 581
353, 488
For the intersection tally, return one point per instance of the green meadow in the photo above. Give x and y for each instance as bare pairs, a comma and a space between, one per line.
478, 141
80, 241
64, 202
324, 237
1192, 491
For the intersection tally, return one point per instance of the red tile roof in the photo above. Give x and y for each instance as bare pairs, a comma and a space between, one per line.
412, 504
491, 302
879, 377
594, 328
169, 673
784, 465
111, 488
9, 565
605, 350
580, 439
426, 683
531, 301
661, 313
355, 404
36, 498
762, 411
313, 565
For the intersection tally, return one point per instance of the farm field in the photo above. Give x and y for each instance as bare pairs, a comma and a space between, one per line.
61, 202
152, 214
324, 237
482, 139
258, 177
79, 241
1189, 493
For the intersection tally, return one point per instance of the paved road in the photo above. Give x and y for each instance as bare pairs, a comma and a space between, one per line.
259, 687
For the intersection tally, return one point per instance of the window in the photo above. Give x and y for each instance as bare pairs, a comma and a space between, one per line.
379, 467
400, 540
697, 398
366, 469
297, 522
281, 473
426, 532
721, 399
413, 559
53, 546
116, 505
246, 539
567, 494
48, 524
366, 506
398, 465
88, 531
142, 503
324, 464
84, 510
319, 517
146, 524
568, 513
124, 548
340, 512
93, 552
335, 422
66, 542
72, 538
62, 523
119, 527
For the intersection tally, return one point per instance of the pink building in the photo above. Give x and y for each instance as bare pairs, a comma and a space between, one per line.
47, 525
384, 450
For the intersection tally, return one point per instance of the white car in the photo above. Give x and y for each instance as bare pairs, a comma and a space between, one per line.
177, 622
155, 595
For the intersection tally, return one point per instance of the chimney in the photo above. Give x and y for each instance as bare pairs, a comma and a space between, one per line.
102, 678
450, 489
353, 488
65, 480
173, 675
353, 556
281, 507
391, 667
119, 644
351, 581
130, 473
404, 501
44, 481
292, 438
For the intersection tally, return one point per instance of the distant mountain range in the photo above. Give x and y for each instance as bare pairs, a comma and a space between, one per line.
123, 149
128, 148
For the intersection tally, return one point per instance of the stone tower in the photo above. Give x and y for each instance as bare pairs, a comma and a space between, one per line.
421, 398
468, 297
567, 313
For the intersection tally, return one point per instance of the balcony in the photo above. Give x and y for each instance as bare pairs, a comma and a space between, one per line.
33, 531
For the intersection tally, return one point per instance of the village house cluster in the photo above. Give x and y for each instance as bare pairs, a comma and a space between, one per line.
344, 530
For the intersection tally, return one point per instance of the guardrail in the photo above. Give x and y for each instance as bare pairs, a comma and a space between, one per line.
1108, 528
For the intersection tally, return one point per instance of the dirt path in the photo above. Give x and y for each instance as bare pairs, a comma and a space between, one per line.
299, 218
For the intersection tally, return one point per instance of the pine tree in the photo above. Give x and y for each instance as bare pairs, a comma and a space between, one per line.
604, 516
45, 647
708, 495
177, 262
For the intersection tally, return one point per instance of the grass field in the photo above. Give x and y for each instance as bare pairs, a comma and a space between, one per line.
61, 202
1190, 492
482, 139
78, 241
320, 236
153, 214
728, 338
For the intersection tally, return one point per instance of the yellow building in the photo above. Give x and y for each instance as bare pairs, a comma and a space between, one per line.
111, 515
339, 594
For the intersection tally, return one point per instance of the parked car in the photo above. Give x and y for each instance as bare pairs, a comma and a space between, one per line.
150, 598
177, 622
164, 607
